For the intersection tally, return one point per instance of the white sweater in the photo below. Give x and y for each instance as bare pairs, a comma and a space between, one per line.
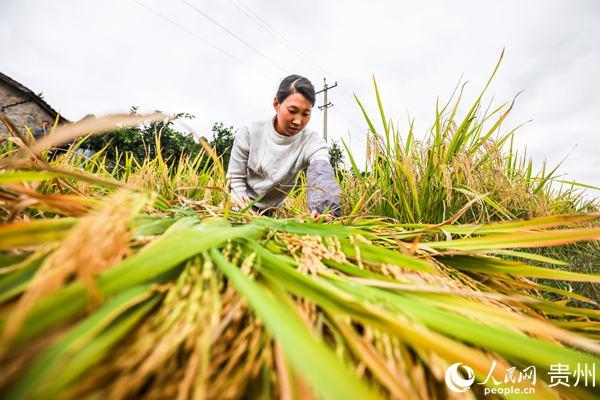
264, 162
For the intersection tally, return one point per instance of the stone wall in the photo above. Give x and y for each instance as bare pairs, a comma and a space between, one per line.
28, 114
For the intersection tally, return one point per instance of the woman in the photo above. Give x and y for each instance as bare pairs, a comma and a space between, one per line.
268, 155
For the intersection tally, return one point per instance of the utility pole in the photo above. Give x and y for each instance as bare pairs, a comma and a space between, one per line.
325, 105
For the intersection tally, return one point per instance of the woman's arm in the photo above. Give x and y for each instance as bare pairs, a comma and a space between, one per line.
323, 191
237, 169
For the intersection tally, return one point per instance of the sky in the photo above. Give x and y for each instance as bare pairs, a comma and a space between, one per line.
223, 60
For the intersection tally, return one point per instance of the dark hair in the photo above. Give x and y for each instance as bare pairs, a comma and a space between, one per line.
296, 84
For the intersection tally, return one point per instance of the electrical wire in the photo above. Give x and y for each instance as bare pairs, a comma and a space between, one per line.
217, 23
198, 37
287, 43
265, 26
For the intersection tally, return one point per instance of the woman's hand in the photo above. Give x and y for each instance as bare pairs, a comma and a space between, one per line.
238, 203
321, 217
315, 216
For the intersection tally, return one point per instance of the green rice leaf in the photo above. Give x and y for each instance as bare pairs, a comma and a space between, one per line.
491, 265
519, 240
332, 380
62, 362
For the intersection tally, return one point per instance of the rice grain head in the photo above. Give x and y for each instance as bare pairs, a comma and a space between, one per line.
97, 242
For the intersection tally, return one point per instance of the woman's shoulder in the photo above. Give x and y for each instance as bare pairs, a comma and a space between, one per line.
312, 136
258, 125
254, 128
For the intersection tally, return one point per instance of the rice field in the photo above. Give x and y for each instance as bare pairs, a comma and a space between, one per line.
137, 280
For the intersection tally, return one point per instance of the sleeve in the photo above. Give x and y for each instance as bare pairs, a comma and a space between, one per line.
317, 149
238, 161
323, 191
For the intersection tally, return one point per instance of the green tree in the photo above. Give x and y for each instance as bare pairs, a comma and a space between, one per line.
222, 141
336, 156
141, 141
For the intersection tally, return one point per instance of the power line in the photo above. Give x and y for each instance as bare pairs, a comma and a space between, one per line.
260, 53
164, 17
278, 34
264, 25
229, 55
206, 42
275, 34
282, 39
258, 20
287, 43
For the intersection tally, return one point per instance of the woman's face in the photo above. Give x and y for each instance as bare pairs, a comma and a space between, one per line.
292, 114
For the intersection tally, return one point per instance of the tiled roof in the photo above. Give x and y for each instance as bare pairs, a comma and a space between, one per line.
32, 96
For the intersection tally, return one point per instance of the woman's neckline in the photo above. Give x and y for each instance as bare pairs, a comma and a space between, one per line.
278, 137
